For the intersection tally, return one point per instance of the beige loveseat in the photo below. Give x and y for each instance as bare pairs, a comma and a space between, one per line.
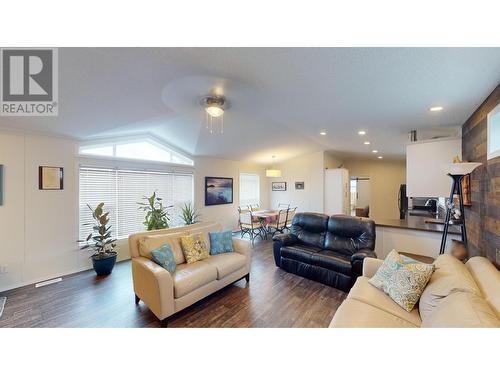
165, 293
458, 295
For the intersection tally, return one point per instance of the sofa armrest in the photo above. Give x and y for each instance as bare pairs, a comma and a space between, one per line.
370, 266
243, 247
280, 240
154, 285
285, 239
357, 260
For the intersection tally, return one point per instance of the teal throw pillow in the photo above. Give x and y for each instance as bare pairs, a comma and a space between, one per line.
164, 257
221, 242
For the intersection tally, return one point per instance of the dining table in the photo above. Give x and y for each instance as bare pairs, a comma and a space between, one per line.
266, 217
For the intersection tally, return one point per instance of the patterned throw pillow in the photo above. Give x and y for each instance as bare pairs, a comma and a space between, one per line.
194, 248
164, 256
403, 279
221, 242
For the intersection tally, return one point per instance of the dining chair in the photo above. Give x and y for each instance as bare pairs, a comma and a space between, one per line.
250, 224
254, 207
283, 205
279, 223
289, 218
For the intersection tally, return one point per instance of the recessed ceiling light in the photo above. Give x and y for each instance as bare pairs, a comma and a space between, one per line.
367, 143
436, 109
361, 132
322, 133
375, 151
380, 157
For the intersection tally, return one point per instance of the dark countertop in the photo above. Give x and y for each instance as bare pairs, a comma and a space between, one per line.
416, 223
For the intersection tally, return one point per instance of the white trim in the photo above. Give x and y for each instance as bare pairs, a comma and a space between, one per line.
495, 153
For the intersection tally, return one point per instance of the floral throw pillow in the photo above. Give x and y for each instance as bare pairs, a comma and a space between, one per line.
194, 248
402, 278
164, 256
221, 242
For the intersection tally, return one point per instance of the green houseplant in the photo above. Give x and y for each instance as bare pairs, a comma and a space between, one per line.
101, 242
189, 214
156, 214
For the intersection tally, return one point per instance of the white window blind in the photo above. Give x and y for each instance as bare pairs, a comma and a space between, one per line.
249, 189
120, 190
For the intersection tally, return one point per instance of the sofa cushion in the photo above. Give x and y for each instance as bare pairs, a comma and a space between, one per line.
348, 234
190, 276
333, 261
194, 247
299, 252
149, 243
221, 242
226, 263
461, 310
403, 279
450, 276
356, 314
310, 228
363, 291
487, 278
164, 257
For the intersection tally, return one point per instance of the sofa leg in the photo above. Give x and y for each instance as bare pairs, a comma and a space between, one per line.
137, 299
164, 323
247, 277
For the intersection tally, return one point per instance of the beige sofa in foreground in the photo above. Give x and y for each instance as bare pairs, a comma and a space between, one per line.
165, 293
457, 295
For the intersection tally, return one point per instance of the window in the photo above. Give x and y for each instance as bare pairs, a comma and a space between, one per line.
120, 190
249, 189
494, 133
145, 149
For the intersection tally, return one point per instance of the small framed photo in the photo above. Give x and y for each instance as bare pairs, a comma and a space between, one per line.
299, 185
279, 186
50, 178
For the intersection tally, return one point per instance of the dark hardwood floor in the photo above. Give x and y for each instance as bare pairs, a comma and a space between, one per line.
273, 298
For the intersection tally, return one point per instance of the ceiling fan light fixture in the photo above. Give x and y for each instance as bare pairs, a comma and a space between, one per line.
214, 111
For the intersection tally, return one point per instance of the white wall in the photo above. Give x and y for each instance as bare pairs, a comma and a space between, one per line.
226, 214
310, 170
39, 229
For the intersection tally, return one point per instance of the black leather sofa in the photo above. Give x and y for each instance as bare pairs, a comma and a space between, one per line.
328, 249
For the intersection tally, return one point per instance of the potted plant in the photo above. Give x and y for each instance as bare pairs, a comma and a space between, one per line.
156, 215
100, 242
189, 214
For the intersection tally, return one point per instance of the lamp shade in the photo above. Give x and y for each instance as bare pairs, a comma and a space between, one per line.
460, 168
273, 173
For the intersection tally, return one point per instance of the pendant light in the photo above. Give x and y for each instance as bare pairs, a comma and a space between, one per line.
214, 108
273, 172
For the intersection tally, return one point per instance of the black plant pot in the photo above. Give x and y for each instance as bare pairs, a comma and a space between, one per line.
104, 265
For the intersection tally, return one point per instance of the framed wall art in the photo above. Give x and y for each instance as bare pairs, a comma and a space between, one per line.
278, 186
218, 190
50, 178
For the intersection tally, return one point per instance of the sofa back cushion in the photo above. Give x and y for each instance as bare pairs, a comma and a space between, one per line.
450, 276
487, 278
461, 310
348, 234
310, 228
147, 243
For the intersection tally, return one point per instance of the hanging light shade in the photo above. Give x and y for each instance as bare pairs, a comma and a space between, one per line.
273, 172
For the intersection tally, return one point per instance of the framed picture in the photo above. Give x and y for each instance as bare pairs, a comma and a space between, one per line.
50, 178
279, 186
218, 190
299, 185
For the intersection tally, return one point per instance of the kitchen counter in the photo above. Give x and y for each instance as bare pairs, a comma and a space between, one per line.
416, 223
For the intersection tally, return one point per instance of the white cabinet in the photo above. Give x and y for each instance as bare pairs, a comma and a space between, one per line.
337, 191
425, 176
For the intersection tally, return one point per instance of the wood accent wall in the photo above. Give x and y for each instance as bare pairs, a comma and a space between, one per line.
483, 217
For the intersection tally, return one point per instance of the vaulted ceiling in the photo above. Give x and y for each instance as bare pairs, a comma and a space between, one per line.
281, 98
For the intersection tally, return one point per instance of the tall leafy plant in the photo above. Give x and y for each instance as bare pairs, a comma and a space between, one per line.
189, 214
100, 240
156, 214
